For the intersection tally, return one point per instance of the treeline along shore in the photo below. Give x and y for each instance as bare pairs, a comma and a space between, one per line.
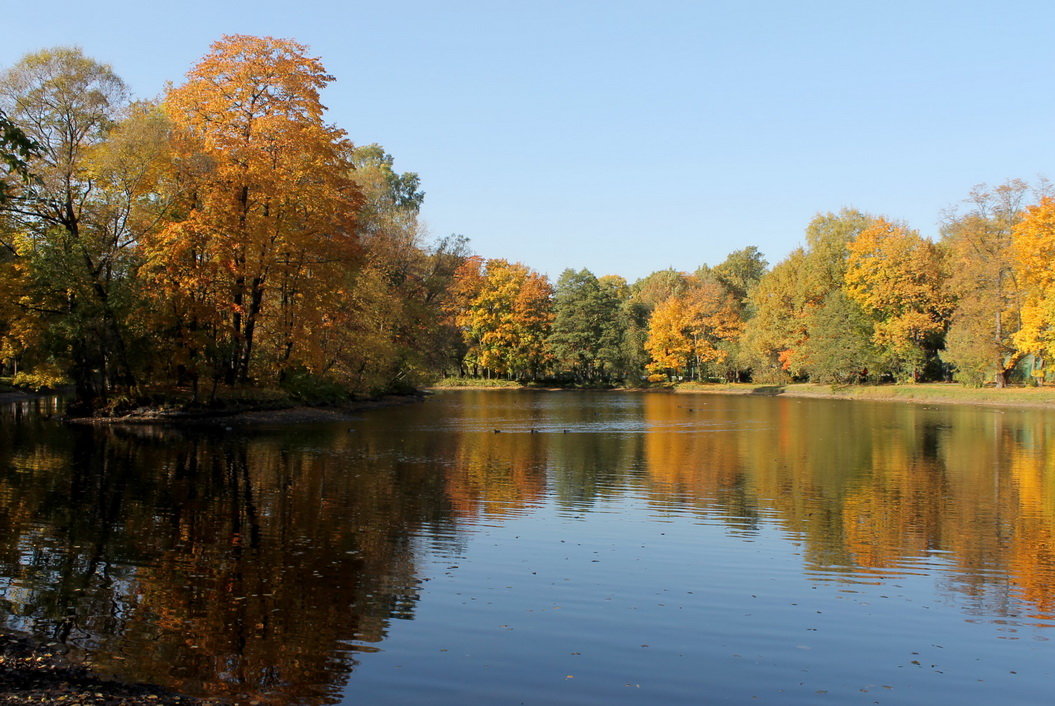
225, 237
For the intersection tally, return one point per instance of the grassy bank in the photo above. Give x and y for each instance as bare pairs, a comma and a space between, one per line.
935, 393
475, 384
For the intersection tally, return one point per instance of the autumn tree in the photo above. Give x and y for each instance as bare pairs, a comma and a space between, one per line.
895, 276
267, 236
739, 274
644, 296
785, 300
505, 314
775, 334
76, 256
686, 332
983, 284
1033, 252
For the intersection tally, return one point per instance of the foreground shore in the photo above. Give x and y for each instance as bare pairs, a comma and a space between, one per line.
31, 673
921, 393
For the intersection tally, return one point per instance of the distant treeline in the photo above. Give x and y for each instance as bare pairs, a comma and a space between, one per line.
865, 300
227, 235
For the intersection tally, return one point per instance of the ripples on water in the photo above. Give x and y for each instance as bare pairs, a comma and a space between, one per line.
508, 547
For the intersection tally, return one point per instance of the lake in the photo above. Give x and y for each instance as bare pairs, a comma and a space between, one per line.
506, 547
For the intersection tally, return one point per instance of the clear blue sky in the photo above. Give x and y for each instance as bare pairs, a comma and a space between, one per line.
631, 136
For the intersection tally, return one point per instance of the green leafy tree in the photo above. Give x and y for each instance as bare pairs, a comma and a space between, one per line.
78, 265
16, 149
400, 293
587, 328
840, 348
785, 299
740, 271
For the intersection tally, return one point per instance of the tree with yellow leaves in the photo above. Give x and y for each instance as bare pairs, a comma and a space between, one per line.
894, 275
981, 280
505, 314
685, 332
1033, 251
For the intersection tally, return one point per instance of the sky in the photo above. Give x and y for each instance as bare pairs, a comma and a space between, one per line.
627, 137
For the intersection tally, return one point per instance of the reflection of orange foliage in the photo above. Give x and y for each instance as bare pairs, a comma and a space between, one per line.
282, 561
497, 475
897, 513
872, 488
1032, 555
687, 457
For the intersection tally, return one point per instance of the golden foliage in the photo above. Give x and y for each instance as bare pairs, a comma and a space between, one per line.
1033, 250
268, 231
685, 331
895, 276
505, 310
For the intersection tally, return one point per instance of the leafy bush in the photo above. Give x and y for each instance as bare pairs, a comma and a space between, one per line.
40, 378
305, 386
476, 382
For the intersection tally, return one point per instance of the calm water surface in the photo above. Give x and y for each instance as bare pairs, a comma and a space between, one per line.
582, 548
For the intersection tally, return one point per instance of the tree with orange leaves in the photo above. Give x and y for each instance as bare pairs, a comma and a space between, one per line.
685, 332
267, 234
505, 315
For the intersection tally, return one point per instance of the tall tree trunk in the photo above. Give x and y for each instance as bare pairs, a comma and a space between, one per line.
256, 300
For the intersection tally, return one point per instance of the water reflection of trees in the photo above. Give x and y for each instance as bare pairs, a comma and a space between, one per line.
255, 567
877, 488
871, 490
246, 568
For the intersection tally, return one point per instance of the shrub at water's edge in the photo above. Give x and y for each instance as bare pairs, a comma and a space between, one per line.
456, 382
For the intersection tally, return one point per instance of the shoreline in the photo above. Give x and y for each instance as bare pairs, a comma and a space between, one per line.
21, 396
263, 415
301, 413
920, 393
32, 673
